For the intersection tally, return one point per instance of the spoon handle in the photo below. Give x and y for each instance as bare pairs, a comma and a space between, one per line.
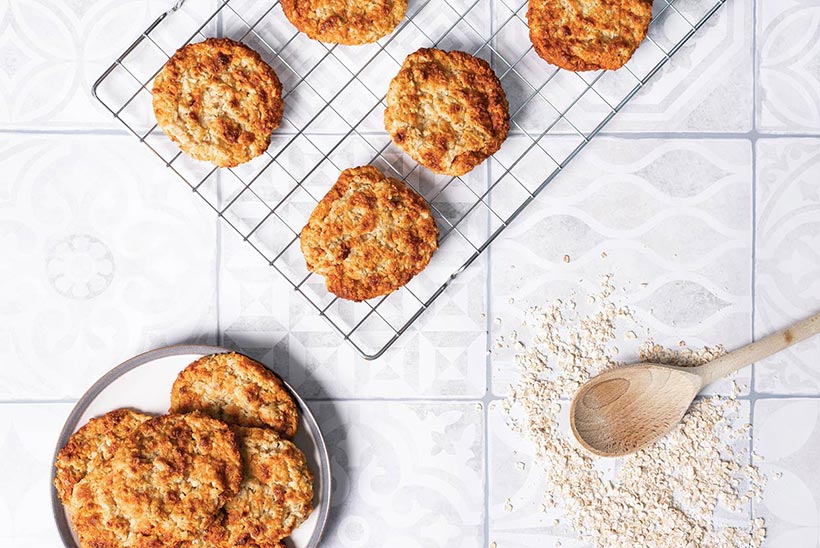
731, 362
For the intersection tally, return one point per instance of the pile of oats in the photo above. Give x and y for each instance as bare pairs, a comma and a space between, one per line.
665, 496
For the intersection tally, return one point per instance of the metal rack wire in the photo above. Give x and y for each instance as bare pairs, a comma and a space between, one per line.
334, 102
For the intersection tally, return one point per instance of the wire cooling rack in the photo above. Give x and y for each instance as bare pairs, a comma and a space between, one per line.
334, 103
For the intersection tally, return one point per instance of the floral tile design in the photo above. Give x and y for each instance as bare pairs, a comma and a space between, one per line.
679, 242
787, 445
405, 474
28, 434
788, 45
111, 256
787, 259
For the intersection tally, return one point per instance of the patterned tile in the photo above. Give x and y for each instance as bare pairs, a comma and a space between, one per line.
111, 256
787, 438
405, 474
442, 354
787, 259
28, 434
52, 52
678, 240
788, 46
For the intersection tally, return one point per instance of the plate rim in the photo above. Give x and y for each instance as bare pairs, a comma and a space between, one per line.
64, 528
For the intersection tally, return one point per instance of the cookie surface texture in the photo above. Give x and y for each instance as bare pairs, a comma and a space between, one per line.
369, 235
581, 35
447, 110
238, 390
219, 101
164, 485
349, 22
276, 495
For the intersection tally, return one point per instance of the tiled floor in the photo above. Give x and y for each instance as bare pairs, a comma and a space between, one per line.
704, 193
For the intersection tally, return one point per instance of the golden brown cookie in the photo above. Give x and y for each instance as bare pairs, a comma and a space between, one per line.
350, 22
92, 445
219, 101
276, 495
447, 110
588, 34
164, 484
238, 390
369, 235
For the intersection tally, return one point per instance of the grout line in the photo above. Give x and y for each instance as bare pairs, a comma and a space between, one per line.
753, 137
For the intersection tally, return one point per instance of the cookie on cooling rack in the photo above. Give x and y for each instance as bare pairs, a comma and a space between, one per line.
219, 101
91, 445
369, 235
447, 110
164, 485
276, 495
583, 35
238, 390
349, 22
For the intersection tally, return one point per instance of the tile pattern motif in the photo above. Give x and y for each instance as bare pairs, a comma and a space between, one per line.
108, 255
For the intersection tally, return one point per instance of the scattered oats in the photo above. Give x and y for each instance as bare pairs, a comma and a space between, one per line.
644, 284
566, 258
556, 522
630, 336
666, 495
603, 254
498, 321
778, 475
483, 316
520, 465
510, 301
508, 507
478, 407
682, 343
557, 544
493, 545
591, 299
519, 346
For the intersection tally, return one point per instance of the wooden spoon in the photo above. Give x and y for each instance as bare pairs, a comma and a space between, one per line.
623, 410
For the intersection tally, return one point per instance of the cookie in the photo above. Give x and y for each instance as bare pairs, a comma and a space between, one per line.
164, 485
583, 35
369, 235
276, 495
92, 445
447, 110
349, 22
238, 390
219, 101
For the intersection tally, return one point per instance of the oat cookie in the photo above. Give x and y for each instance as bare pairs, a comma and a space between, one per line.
349, 22
219, 101
238, 390
276, 495
588, 34
92, 445
369, 235
447, 110
163, 485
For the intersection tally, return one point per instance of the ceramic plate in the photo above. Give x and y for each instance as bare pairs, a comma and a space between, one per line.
144, 383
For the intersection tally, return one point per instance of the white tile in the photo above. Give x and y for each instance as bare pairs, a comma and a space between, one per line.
441, 355
28, 437
788, 48
787, 437
787, 259
405, 474
111, 255
673, 217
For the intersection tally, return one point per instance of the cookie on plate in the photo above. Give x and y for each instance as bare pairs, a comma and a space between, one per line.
447, 110
219, 101
583, 35
91, 445
238, 390
276, 495
164, 484
349, 22
369, 235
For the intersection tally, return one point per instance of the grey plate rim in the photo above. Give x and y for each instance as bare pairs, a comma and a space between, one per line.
82, 404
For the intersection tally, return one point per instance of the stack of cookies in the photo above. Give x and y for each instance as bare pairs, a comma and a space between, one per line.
217, 471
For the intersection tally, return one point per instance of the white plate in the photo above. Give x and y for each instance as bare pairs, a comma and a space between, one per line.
144, 383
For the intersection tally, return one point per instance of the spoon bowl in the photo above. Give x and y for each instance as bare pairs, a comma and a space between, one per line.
625, 409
